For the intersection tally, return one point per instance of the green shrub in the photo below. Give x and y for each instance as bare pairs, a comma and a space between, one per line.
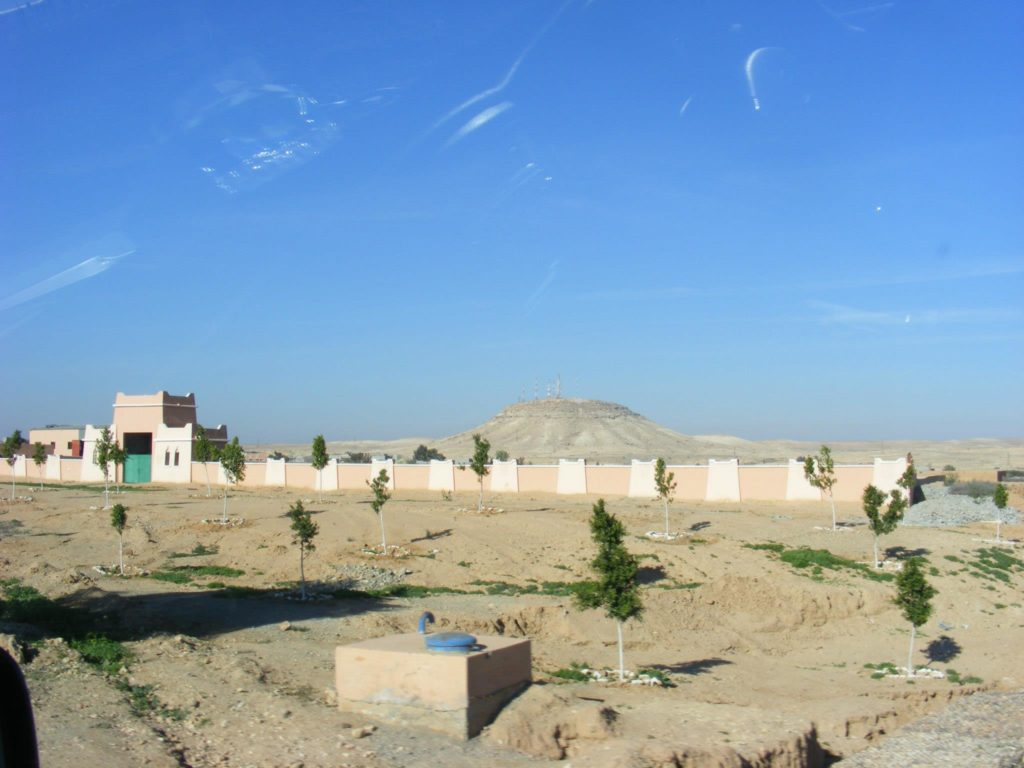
574, 673
102, 652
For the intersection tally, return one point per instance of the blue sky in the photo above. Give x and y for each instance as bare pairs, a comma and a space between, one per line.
383, 219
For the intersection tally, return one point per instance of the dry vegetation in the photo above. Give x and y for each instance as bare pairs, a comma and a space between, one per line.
767, 650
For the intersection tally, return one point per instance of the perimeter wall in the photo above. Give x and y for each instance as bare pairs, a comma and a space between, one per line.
715, 481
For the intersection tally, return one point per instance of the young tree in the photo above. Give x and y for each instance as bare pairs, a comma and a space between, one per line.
304, 530
118, 456
101, 458
39, 458
820, 473
319, 462
913, 596
118, 520
232, 459
205, 452
479, 462
617, 588
908, 482
665, 485
882, 522
1000, 497
9, 451
381, 494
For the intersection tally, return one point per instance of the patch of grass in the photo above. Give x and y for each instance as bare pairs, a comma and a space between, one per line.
953, 558
174, 577
215, 585
561, 567
25, 604
955, 677
818, 560
976, 489
769, 546
144, 702
102, 652
649, 556
679, 585
553, 588
463, 564
882, 669
573, 673
197, 551
234, 590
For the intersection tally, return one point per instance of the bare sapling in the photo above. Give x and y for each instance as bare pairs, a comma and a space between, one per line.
881, 521
381, 494
913, 596
820, 473
665, 485
118, 521
617, 588
304, 530
232, 461
319, 462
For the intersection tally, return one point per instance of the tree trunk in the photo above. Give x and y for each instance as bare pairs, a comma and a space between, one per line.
106, 489
877, 564
665, 501
480, 501
224, 513
910, 654
209, 490
383, 538
120, 551
622, 659
999, 523
320, 486
302, 569
832, 501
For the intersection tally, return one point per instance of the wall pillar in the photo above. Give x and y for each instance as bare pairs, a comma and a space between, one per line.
641, 480
797, 487
276, 473
505, 476
572, 476
723, 480
376, 465
885, 474
442, 475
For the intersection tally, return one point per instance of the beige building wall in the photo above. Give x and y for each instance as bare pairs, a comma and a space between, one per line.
298, 475
412, 477
538, 478
71, 470
763, 482
353, 476
607, 480
691, 481
172, 454
90, 473
60, 438
53, 467
851, 480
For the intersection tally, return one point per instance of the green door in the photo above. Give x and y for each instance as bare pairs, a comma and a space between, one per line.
138, 463
137, 468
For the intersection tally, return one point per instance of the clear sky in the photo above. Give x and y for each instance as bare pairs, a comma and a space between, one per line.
798, 219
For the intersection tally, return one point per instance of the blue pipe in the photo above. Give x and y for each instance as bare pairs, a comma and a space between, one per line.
427, 616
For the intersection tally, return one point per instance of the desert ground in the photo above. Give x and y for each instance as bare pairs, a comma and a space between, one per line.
767, 661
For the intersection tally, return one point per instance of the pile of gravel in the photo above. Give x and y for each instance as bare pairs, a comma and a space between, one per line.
985, 730
367, 577
942, 508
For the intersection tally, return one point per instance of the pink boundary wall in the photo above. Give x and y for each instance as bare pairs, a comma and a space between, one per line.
768, 482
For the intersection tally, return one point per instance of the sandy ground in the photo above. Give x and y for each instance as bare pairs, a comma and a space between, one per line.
767, 660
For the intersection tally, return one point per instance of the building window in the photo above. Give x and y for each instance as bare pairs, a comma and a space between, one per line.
54, 445
167, 458
175, 457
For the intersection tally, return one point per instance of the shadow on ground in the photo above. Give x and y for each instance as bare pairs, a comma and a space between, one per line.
697, 667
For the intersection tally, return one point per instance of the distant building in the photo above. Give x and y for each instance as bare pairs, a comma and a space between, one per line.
157, 432
61, 440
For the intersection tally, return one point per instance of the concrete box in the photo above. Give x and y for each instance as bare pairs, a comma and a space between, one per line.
396, 679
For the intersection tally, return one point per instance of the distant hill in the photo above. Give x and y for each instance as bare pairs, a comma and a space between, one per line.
543, 431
